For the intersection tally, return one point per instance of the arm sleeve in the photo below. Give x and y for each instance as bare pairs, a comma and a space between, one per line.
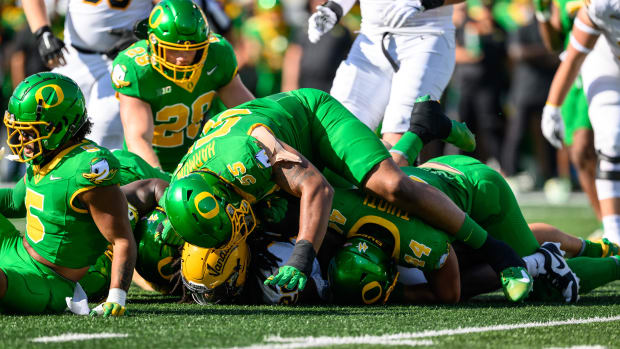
12, 201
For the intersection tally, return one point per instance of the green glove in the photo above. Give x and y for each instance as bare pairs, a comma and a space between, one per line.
165, 234
461, 137
109, 309
289, 277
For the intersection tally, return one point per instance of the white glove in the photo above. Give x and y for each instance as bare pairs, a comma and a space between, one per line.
399, 11
552, 125
322, 21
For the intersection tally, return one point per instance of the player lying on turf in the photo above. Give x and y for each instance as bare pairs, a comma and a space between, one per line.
364, 271
70, 198
281, 142
386, 235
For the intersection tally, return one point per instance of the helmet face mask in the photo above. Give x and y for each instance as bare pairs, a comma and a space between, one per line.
206, 212
178, 28
361, 273
45, 110
214, 275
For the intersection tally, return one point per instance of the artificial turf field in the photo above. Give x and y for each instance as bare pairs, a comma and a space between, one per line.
486, 321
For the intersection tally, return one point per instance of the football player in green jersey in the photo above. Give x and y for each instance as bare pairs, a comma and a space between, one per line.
281, 142
68, 195
167, 83
555, 22
394, 237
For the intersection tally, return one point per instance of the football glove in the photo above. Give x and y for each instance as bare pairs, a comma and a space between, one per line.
552, 125
461, 137
288, 277
50, 47
165, 234
399, 12
113, 306
323, 20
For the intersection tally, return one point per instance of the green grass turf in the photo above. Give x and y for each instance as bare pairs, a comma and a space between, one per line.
158, 322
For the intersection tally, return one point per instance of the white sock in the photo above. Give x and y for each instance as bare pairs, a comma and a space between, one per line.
535, 264
611, 227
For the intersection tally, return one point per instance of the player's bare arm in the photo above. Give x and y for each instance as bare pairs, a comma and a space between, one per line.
235, 93
108, 207
144, 194
137, 119
305, 181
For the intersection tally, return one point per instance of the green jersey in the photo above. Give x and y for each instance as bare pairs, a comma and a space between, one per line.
311, 121
477, 189
58, 227
568, 11
178, 109
134, 168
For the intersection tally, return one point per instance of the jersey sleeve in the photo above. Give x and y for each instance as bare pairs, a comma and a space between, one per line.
125, 78
97, 169
227, 59
598, 10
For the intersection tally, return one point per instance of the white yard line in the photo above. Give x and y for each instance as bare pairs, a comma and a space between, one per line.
278, 342
70, 337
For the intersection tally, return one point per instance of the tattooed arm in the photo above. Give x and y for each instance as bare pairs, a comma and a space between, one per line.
108, 208
302, 179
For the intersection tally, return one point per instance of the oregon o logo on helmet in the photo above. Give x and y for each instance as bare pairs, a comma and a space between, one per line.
156, 17
161, 264
211, 213
59, 95
371, 286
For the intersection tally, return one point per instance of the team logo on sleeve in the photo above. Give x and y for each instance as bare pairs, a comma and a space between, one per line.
118, 76
99, 171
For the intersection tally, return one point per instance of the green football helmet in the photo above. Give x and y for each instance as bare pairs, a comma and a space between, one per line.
206, 212
361, 273
154, 262
44, 112
178, 25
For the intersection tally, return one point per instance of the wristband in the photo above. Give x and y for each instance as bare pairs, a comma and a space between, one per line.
118, 296
302, 257
409, 146
44, 29
336, 8
431, 4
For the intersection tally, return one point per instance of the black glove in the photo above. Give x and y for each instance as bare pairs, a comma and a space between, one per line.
126, 37
429, 122
50, 47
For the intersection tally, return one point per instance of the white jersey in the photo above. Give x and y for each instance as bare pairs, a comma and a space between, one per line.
438, 20
606, 15
276, 294
88, 22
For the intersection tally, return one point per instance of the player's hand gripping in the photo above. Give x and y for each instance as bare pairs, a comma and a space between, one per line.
50, 47
399, 12
323, 20
113, 306
288, 277
552, 125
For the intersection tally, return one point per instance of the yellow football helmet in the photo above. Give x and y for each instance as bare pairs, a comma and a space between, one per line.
215, 275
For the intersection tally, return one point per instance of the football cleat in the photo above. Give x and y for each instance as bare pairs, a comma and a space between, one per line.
516, 283
609, 248
558, 273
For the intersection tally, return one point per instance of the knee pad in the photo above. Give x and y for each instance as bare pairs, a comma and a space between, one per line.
608, 176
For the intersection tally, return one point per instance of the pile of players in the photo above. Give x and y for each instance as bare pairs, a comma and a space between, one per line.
283, 199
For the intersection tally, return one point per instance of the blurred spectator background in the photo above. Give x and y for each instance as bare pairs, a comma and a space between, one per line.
499, 86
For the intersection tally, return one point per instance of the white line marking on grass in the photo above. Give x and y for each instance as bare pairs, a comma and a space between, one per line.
70, 337
580, 347
407, 338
